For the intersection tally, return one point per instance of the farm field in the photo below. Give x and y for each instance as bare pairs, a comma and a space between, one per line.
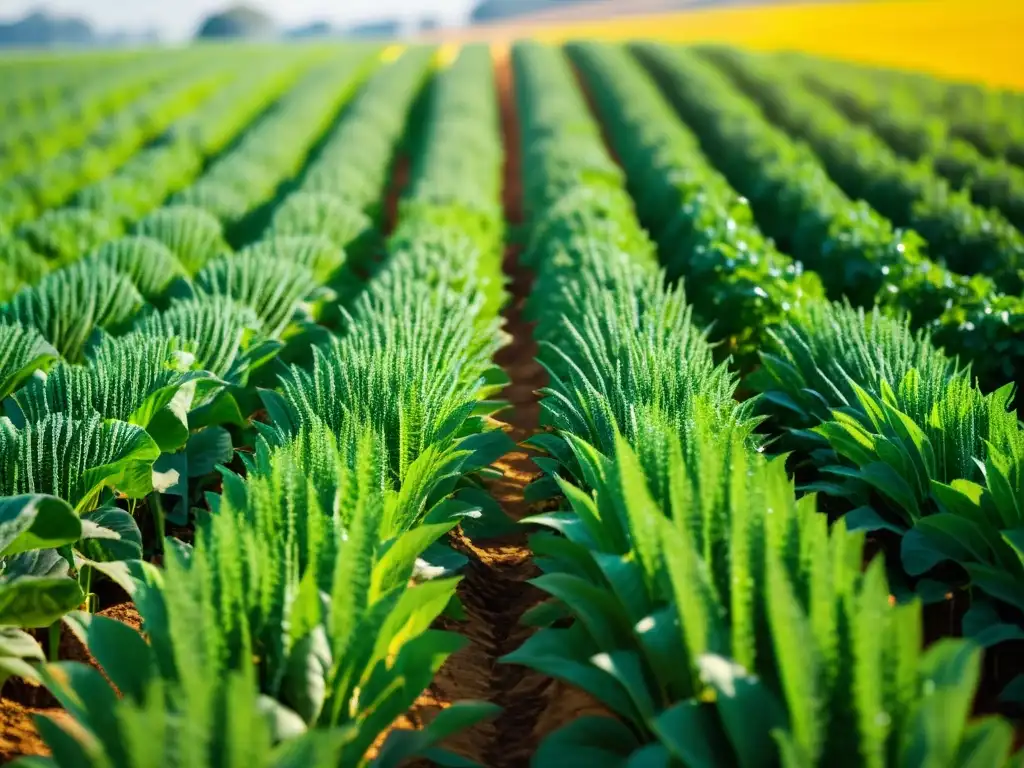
975, 41
597, 404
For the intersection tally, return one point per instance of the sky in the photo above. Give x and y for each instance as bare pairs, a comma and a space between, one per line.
178, 19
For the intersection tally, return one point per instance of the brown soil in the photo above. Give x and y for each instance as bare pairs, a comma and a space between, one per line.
22, 699
399, 180
17, 731
495, 592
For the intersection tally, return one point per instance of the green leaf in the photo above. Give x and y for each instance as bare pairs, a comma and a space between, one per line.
129, 466
206, 449
111, 533
887, 481
1013, 693
983, 625
164, 415
693, 734
557, 653
748, 710
307, 674
961, 497
23, 350
492, 523
19, 652
598, 611
37, 601
627, 668
986, 742
485, 448
949, 672
998, 583
36, 521
120, 650
867, 519
945, 536
587, 742
402, 745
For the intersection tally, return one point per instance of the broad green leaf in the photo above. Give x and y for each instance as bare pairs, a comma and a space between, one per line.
23, 350
597, 742
37, 601
125, 657
404, 744
693, 734
749, 712
36, 522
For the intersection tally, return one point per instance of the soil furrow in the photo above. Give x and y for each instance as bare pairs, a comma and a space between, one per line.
495, 591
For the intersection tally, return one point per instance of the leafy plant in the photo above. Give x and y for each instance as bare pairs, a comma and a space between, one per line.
341, 638
273, 288
227, 721
76, 458
31, 594
720, 620
815, 363
150, 265
143, 380
191, 234
66, 234
23, 350
68, 305
224, 336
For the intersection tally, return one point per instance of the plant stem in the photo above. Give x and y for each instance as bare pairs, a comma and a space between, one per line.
53, 651
85, 579
159, 520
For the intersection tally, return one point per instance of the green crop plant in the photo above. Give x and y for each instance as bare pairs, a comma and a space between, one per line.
68, 305
723, 623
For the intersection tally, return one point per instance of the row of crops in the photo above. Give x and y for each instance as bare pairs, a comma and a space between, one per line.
291, 610
248, 378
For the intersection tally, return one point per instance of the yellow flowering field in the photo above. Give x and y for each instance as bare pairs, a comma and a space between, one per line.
979, 40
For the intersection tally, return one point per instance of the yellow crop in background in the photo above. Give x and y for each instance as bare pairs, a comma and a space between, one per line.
391, 52
979, 40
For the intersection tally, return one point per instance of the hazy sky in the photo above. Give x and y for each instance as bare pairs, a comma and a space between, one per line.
179, 18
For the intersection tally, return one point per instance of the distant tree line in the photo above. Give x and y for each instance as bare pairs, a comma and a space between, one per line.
495, 10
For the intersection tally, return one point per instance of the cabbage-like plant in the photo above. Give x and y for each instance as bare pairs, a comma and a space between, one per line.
307, 213
57, 478
23, 350
272, 287
315, 252
144, 380
148, 263
76, 459
65, 234
193, 235
224, 336
66, 306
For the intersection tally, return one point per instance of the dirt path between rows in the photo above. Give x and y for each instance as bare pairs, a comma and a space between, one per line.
495, 591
